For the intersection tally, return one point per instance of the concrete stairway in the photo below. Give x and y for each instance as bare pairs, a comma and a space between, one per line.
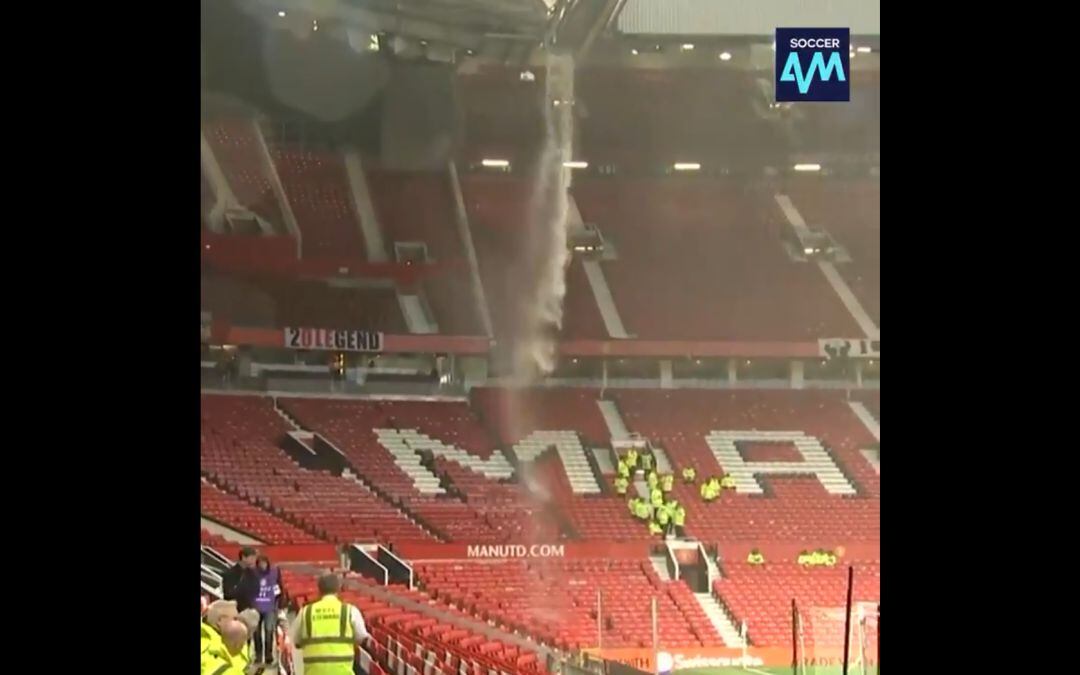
720, 620
361, 195
660, 564
867, 418
613, 419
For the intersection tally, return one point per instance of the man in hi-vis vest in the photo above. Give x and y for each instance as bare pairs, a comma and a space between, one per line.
326, 633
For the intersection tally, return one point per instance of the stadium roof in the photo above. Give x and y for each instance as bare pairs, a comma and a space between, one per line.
507, 29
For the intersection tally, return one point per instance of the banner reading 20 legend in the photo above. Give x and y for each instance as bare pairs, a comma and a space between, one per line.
334, 340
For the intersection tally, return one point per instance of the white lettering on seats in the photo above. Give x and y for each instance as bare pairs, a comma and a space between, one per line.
571, 452
815, 462
405, 445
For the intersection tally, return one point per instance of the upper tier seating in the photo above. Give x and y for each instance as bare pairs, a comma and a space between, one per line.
702, 258
872, 400
641, 119
851, 212
795, 508
317, 188
240, 453
299, 303
761, 595
499, 214
314, 304
350, 426
555, 600
637, 118
237, 151
419, 207
503, 115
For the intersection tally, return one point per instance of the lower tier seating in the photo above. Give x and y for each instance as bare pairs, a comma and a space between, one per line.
556, 601
761, 595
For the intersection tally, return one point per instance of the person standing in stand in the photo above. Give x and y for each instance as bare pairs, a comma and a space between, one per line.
268, 598
239, 582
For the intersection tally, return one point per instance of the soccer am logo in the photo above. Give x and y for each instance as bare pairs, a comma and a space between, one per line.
812, 64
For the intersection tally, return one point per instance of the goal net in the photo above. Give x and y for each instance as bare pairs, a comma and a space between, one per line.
819, 633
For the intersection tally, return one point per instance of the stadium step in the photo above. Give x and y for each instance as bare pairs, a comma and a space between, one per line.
271, 173
660, 564
603, 460
303, 439
224, 198
369, 222
714, 569
288, 418
867, 418
663, 464
417, 317
613, 419
461, 217
719, 618
854, 307
874, 458
839, 286
604, 300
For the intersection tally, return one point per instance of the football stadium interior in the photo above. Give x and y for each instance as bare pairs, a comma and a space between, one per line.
546, 327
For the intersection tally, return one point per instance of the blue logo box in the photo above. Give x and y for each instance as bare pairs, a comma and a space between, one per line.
813, 64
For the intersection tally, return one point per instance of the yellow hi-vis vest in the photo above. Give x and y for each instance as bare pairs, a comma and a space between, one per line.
326, 638
208, 637
216, 661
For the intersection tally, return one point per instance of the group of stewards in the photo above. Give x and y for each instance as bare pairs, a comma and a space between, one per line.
712, 488
324, 635
663, 514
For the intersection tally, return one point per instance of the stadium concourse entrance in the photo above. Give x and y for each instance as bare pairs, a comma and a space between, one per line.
688, 560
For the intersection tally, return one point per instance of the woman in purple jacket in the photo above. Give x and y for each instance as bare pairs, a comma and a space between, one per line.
267, 600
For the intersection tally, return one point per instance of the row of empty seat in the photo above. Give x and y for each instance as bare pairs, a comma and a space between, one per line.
556, 600
317, 188
437, 462
418, 207
701, 258
795, 507
762, 595
851, 212
733, 281
352, 425
406, 640
235, 144
513, 242
240, 453
248, 519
